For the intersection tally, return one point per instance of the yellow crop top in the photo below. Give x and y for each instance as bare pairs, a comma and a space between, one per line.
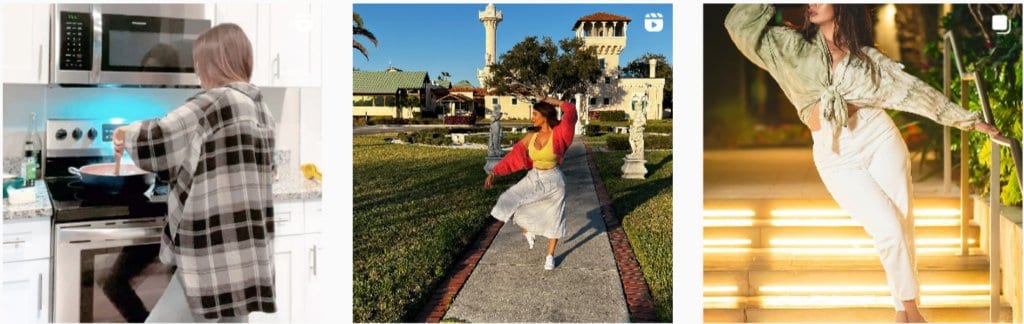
543, 158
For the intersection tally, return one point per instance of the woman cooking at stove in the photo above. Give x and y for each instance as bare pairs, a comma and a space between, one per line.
216, 151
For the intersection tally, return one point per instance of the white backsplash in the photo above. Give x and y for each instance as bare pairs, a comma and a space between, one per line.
49, 102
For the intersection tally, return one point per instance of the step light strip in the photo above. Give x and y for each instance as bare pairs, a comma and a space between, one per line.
820, 213
980, 289
828, 251
727, 242
866, 301
864, 242
721, 289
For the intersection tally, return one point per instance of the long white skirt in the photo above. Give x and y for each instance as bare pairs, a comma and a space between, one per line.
537, 201
870, 178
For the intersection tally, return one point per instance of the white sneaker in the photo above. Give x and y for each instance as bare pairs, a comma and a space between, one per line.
529, 239
549, 263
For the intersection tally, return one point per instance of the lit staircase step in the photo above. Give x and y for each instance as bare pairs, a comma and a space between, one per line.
849, 315
785, 259
861, 282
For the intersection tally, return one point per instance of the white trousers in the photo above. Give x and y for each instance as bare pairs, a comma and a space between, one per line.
537, 201
870, 178
173, 307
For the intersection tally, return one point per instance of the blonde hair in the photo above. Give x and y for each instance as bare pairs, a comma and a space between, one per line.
222, 55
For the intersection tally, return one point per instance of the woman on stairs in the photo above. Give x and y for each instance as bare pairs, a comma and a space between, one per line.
538, 200
840, 85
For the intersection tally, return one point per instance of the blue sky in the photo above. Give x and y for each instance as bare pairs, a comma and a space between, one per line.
450, 37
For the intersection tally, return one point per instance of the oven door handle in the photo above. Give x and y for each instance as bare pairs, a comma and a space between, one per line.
109, 233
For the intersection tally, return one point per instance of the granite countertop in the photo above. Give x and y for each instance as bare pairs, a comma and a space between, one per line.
40, 208
286, 189
296, 188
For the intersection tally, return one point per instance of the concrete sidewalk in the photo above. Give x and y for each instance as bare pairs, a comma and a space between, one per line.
510, 283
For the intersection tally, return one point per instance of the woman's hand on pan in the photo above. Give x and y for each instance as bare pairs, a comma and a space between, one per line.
119, 140
489, 181
986, 128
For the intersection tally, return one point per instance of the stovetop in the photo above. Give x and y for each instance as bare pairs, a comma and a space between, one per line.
72, 202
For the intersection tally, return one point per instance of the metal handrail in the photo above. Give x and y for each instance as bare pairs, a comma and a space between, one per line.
966, 208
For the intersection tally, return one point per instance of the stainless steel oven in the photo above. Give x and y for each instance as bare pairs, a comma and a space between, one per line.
108, 271
125, 44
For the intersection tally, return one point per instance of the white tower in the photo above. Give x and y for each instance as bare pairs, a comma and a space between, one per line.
605, 32
490, 17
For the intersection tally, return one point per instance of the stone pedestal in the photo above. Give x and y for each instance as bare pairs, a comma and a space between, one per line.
634, 168
491, 162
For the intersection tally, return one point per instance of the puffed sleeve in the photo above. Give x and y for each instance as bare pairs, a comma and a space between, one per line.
764, 45
899, 90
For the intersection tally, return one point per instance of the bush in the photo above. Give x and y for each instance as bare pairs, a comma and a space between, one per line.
459, 120
617, 142
427, 136
593, 130
657, 142
665, 128
387, 120
611, 115
620, 142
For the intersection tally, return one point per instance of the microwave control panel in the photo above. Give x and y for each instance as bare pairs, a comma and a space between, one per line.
75, 41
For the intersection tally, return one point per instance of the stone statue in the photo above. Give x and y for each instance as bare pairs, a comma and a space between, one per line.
494, 152
634, 167
636, 129
494, 145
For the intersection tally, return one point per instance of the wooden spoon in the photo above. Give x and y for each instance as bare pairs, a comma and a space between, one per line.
117, 163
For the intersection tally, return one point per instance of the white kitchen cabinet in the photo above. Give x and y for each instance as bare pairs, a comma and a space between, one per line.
247, 16
26, 46
313, 307
297, 256
26, 291
285, 38
26, 274
294, 42
290, 263
288, 218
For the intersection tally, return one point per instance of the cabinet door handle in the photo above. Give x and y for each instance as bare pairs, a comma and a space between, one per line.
39, 300
15, 242
277, 66
39, 68
313, 267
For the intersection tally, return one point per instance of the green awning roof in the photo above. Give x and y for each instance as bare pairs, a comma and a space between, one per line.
386, 82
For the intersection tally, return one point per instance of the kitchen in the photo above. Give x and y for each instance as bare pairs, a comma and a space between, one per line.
72, 73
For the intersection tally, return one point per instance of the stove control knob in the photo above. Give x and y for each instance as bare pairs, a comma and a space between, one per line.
76, 134
91, 133
61, 134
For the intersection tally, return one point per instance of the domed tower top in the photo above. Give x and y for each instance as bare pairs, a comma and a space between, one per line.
607, 33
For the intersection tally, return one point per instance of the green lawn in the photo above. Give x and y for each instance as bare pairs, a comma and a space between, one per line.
415, 209
645, 207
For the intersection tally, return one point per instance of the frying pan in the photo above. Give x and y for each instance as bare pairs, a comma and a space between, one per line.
132, 180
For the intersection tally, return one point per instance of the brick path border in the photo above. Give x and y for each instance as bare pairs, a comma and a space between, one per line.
444, 294
638, 294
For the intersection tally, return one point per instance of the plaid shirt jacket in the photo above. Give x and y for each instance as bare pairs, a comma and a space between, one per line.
216, 151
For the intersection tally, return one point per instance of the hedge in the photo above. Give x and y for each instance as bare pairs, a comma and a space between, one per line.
619, 142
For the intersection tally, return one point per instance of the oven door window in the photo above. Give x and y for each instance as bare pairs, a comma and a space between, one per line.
149, 44
122, 284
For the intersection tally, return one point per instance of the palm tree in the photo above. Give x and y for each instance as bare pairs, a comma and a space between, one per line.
358, 30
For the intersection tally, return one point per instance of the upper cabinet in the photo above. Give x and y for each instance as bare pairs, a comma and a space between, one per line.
26, 36
285, 37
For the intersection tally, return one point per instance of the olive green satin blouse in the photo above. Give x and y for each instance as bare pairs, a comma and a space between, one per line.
803, 70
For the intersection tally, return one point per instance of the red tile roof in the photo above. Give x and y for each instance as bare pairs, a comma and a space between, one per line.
604, 16
601, 16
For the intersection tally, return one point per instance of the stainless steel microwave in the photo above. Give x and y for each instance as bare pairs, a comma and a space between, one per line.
125, 44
